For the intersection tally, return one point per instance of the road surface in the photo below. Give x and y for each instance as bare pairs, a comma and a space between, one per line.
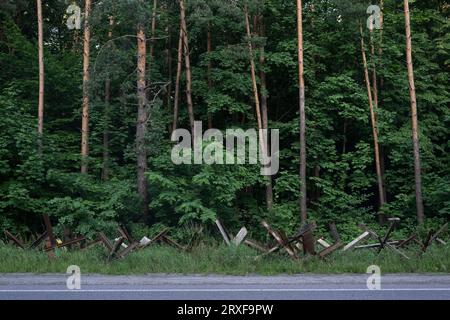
217, 287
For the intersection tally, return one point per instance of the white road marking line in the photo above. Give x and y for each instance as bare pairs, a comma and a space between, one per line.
229, 290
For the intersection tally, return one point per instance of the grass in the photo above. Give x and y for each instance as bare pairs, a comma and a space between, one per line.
221, 260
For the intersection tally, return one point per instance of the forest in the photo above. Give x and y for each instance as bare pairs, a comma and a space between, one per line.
91, 92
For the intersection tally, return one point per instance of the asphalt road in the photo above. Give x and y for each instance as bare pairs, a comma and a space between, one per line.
216, 287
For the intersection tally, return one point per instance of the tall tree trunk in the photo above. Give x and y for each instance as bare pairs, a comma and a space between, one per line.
374, 69
169, 72
374, 125
254, 83
41, 76
415, 125
85, 118
105, 168
152, 40
210, 83
264, 109
187, 61
178, 80
303, 195
141, 127
380, 97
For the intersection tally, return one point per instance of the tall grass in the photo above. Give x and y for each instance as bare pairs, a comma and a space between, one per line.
210, 259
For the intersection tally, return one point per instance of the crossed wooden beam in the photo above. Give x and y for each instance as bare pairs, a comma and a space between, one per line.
114, 248
304, 237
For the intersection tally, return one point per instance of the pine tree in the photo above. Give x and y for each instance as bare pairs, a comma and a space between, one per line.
85, 115
415, 124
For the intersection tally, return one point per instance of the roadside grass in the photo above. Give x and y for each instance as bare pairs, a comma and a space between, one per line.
218, 259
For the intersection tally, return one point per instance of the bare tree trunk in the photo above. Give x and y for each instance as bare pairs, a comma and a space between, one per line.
415, 125
169, 72
187, 61
210, 83
105, 168
264, 110
303, 195
374, 70
178, 80
41, 76
85, 118
254, 83
374, 125
141, 127
380, 101
263, 144
152, 40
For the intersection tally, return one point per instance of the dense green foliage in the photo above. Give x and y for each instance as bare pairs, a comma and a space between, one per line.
341, 172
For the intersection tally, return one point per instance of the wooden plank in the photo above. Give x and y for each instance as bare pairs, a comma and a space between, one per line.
323, 243
434, 237
128, 250
115, 248
376, 245
394, 222
16, 241
223, 232
49, 228
407, 241
396, 250
66, 244
105, 241
357, 240
308, 243
270, 251
92, 244
310, 227
255, 245
240, 236
329, 250
160, 235
125, 234
172, 243
278, 238
39, 240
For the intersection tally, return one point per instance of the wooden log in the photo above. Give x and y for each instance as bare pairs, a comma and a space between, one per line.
407, 241
279, 239
173, 243
105, 241
16, 241
49, 228
39, 240
323, 243
160, 235
66, 244
329, 250
128, 250
240, 236
434, 237
308, 243
115, 248
357, 240
376, 245
223, 232
394, 222
92, 244
255, 245
125, 234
